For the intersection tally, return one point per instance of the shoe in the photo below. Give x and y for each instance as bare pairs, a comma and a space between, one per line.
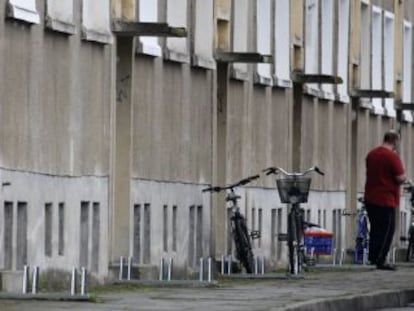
386, 266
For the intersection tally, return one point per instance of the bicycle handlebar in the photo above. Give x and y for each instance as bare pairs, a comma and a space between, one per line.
242, 182
277, 170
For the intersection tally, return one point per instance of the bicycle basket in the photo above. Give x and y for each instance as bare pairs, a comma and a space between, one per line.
293, 189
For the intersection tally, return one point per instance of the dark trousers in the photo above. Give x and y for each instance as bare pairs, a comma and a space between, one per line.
382, 221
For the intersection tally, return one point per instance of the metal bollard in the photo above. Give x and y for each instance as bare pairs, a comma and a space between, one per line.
263, 265
25, 279
121, 268
256, 265
394, 251
342, 257
169, 271
201, 277
35, 280
364, 256
334, 257
209, 272
129, 268
229, 260
222, 264
83, 281
162, 269
73, 282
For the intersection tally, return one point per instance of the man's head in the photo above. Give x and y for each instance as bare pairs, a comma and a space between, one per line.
392, 138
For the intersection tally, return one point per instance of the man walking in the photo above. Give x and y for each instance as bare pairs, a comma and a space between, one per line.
384, 175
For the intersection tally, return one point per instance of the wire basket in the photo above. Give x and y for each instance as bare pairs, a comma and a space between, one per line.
293, 189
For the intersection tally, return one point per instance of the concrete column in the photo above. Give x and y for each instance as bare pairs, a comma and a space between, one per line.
122, 146
219, 213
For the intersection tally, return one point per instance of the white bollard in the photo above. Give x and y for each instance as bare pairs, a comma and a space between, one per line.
229, 260
35, 280
73, 282
170, 267
334, 257
129, 268
256, 265
394, 251
25, 279
364, 256
209, 272
201, 269
222, 264
263, 265
121, 268
341, 257
83, 281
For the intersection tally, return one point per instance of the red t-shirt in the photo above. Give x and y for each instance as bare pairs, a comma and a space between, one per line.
381, 188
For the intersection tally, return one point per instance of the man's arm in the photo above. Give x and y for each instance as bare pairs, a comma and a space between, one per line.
401, 178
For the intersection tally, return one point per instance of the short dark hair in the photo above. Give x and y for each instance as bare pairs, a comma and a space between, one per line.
391, 136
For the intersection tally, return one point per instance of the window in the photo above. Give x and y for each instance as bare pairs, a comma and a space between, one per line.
327, 45
165, 228
365, 62
24, 10
203, 34
311, 42
343, 49
407, 67
147, 234
282, 43
174, 228
8, 235
96, 233
21, 239
84, 235
137, 232
59, 16
48, 229
389, 61
263, 22
376, 61
240, 30
148, 12
61, 237
96, 21
177, 49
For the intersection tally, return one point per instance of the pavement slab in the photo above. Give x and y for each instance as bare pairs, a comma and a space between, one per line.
335, 288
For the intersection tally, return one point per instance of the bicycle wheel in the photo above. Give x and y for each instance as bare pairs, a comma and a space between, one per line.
410, 251
242, 242
293, 244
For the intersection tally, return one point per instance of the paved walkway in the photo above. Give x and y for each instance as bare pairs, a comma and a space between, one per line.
347, 288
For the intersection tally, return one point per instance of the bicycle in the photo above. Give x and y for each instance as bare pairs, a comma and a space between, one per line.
362, 238
410, 249
293, 188
241, 237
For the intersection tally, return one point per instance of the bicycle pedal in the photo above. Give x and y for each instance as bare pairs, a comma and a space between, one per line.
282, 237
255, 234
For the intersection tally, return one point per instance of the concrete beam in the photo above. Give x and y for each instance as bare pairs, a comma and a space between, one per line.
132, 29
371, 93
242, 57
404, 106
298, 76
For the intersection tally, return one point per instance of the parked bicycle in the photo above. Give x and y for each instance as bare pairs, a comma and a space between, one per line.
293, 188
362, 237
409, 187
241, 237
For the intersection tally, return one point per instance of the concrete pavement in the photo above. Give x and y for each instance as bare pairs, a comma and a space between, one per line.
336, 288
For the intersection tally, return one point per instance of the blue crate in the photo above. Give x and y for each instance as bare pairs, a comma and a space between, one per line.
322, 244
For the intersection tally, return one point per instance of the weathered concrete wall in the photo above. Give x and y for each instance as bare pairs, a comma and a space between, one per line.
54, 139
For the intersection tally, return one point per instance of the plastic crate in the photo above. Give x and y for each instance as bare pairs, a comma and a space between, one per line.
321, 242
293, 189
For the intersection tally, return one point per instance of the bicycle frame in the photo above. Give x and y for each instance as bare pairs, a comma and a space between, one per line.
241, 237
295, 192
362, 237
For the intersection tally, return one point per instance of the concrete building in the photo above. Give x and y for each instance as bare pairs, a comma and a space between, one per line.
107, 137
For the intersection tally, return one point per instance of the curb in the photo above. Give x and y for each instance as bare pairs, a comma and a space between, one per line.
375, 300
46, 297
